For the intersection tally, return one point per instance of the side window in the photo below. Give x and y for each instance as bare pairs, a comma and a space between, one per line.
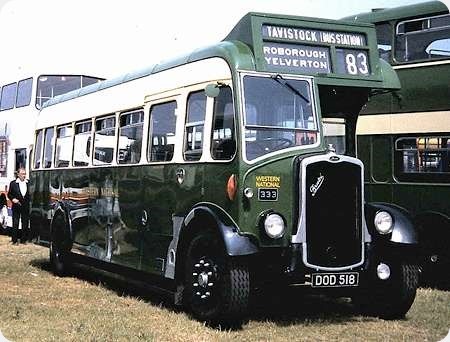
425, 38
423, 159
105, 140
223, 144
63, 152
24, 92
384, 39
130, 137
9, 93
162, 132
38, 149
48, 147
82, 143
195, 121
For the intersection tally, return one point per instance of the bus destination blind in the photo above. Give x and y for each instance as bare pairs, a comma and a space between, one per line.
284, 49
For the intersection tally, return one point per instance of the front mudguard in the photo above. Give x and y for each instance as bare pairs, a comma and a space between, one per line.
403, 232
402, 242
235, 243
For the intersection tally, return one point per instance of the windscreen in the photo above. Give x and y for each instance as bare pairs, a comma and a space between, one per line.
278, 114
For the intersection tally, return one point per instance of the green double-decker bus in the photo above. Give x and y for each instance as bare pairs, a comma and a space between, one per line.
227, 170
404, 136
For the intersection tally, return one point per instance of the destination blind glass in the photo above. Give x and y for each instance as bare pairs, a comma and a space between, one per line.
291, 55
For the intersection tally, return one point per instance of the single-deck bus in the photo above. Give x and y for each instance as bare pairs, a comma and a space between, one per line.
215, 174
404, 137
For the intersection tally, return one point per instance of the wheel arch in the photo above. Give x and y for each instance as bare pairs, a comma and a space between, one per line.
210, 217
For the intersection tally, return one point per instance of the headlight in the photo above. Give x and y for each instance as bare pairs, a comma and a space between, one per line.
384, 222
274, 226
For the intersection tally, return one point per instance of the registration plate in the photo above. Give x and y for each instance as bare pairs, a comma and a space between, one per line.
343, 279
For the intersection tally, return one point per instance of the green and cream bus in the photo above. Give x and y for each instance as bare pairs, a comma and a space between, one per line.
404, 137
228, 169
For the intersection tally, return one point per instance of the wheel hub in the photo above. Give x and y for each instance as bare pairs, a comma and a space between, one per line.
203, 279
203, 276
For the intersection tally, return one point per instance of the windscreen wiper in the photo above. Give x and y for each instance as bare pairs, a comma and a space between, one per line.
286, 84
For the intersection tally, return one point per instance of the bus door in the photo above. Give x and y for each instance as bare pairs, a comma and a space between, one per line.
159, 183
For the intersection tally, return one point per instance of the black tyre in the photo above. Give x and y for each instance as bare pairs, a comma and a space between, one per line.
434, 256
392, 298
217, 286
59, 247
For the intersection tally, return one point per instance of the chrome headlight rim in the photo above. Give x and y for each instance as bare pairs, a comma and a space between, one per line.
384, 222
274, 225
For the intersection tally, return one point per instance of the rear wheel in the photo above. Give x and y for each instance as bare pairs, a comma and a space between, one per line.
391, 298
217, 286
59, 247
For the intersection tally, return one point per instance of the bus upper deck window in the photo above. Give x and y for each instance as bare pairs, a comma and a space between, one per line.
384, 39
8, 96
24, 92
422, 39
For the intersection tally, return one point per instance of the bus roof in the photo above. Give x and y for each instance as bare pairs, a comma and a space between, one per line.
409, 11
243, 50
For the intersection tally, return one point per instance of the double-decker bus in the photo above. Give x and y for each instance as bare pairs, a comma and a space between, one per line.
404, 136
215, 174
22, 95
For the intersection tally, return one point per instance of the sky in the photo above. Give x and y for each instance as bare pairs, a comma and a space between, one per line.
107, 38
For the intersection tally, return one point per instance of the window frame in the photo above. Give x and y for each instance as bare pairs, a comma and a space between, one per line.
40, 150
397, 34
120, 127
150, 130
2, 97
234, 128
52, 142
91, 137
195, 124
418, 176
101, 118
30, 95
57, 137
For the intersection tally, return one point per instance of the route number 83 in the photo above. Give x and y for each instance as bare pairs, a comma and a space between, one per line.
356, 63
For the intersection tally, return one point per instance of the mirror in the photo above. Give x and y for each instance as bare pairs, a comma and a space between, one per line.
212, 90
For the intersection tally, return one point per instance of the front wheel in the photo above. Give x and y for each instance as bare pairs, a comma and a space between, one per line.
391, 298
217, 286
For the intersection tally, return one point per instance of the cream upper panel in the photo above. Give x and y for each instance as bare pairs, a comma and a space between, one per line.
132, 94
403, 123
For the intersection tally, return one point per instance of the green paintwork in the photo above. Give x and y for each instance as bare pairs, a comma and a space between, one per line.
408, 11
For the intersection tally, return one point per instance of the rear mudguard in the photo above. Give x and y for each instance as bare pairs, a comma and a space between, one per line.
235, 243
404, 231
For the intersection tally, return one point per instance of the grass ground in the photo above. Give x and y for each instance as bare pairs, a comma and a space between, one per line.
35, 305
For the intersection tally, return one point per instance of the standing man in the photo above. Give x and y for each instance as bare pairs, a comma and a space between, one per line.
20, 198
